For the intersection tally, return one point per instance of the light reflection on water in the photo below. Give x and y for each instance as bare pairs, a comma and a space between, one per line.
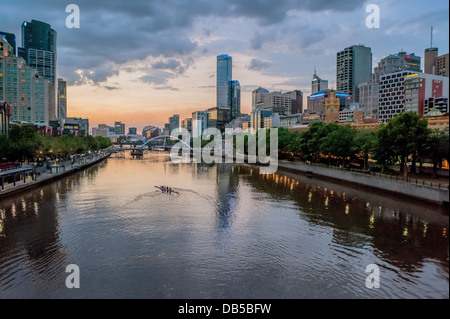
229, 233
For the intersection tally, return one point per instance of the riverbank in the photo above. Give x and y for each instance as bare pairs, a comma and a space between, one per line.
420, 190
54, 173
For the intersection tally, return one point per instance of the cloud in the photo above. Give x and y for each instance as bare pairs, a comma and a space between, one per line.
113, 33
159, 80
257, 65
177, 66
110, 88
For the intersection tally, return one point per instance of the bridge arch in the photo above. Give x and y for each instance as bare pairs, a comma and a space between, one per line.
165, 136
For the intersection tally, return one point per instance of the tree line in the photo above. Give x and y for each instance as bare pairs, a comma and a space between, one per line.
406, 139
24, 143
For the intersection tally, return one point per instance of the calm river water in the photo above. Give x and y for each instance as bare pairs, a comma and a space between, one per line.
228, 233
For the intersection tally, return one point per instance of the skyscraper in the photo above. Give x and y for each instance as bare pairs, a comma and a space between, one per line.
174, 122
430, 57
40, 52
11, 38
224, 75
318, 84
258, 96
396, 62
234, 95
39, 48
442, 67
62, 99
353, 67
119, 128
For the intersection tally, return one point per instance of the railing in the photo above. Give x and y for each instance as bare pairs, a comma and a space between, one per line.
418, 182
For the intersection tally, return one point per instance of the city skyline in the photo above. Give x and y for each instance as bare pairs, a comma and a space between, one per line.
171, 67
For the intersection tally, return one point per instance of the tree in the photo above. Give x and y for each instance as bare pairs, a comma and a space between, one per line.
365, 142
5, 147
437, 147
25, 143
400, 139
338, 142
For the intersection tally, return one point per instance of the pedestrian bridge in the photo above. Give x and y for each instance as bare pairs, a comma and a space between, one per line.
142, 145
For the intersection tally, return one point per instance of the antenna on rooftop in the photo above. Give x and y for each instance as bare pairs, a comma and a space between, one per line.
431, 37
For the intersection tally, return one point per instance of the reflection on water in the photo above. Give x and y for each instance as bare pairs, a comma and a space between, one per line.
229, 233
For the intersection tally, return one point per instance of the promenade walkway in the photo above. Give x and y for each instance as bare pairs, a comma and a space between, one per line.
43, 174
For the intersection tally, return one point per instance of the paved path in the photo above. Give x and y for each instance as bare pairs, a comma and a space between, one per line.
46, 175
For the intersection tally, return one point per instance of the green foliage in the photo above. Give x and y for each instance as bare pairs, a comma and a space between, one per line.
400, 138
405, 138
24, 143
437, 147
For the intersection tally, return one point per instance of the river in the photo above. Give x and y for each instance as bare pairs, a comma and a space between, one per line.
229, 232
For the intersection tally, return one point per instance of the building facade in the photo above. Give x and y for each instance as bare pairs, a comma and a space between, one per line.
442, 67
296, 101
174, 122
422, 91
318, 84
62, 99
187, 124
316, 105
11, 38
368, 99
258, 96
119, 128
353, 67
199, 123
234, 95
391, 101
278, 102
224, 75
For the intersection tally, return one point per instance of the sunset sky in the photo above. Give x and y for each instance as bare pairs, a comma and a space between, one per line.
139, 62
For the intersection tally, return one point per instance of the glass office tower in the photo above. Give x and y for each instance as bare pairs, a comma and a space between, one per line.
224, 75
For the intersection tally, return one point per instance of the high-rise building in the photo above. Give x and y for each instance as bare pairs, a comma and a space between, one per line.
150, 132
199, 123
257, 119
23, 88
396, 62
9, 83
421, 87
318, 84
234, 95
430, 58
119, 128
218, 117
174, 122
62, 99
441, 65
278, 102
224, 75
368, 99
369, 92
11, 38
132, 130
187, 124
39, 48
316, 104
353, 67
391, 100
258, 96
296, 101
